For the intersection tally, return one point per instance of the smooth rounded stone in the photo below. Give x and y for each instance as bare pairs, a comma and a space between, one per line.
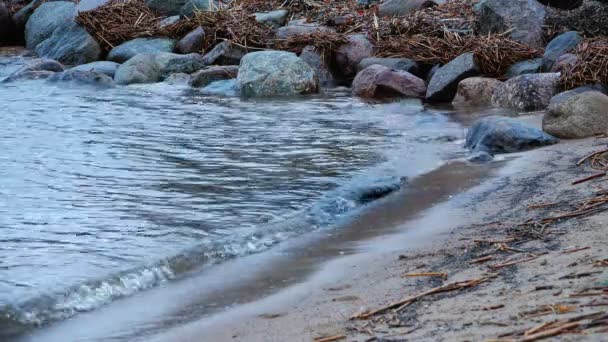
564, 62
70, 44
29, 75
178, 79
396, 8
559, 46
212, 74
349, 55
80, 77
527, 92
532, 66
46, 19
273, 18
166, 7
193, 42
444, 83
171, 63
498, 134
404, 64
312, 57
169, 21
104, 67
378, 81
563, 96
89, 5
562, 4
225, 53
142, 68
475, 92
524, 19
196, 5
580, 116
37, 69
127, 50
8, 29
298, 29
275, 73
222, 88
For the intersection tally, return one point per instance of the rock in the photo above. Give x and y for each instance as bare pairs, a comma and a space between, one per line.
29, 75
70, 44
273, 18
527, 92
46, 19
104, 67
166, 7
202, 5
559, 46
349, 55
564, 62
193, 42
444, 83
525, 19
498, 134
580, 116
403, 64
378, 81
171, 63
178, 79
212, 74
125, 51
21, 17
562, 4
222, 88
275, 73
89, 5
83, 78
531, 66
563, 96
297, 29
313, 58
225, 53
8, 29
476, 91
142, 68
168, 21
37, 69
396, 8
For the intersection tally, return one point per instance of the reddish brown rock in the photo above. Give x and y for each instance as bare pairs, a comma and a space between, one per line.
377, 81
349, 55
192, 42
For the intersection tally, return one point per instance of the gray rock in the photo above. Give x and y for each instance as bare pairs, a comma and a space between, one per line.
222, 88
564, 62
444, 83
212, 74
531, 66
142, 68
193, 42
225, 53
104, 67
46, 19
70, 44
313, 58
169, 21
80, 77
480, 157
559, 46
395, 8
581, 115
378, 81
349, 55
273, 18
403, 64
125, 51
563, 96
475, 92
197, 5
275, 73
37, 69
297, 29
29, 75
89, 5
497, 134
527, 92
171, 63
166, 7
523, 18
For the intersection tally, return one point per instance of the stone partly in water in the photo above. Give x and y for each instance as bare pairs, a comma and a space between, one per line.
197, 5
171, 63
215, 73
127, 50
559, 46
140, 69
444, 83
349, 55
46, 19
377, 81
497, 134
475, 92
222, 88
193, 42
29, 75
579, 116
531, 66
524, 19
37, 69
104, 67
527, 92
70, 44
404, 64
79, 77
312, 57
395, 8
275, 73
225, 53
273, 18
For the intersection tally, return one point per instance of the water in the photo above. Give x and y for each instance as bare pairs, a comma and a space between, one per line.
105, 193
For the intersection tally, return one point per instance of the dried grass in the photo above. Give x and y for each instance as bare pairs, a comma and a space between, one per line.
236, 25
590, 20
591, 66
496, 53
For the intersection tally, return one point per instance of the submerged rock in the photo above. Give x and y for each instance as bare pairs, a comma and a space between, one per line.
349, 55
444, 82
531, 66
70, 44
377, 81
140, 69
127, 50
193, 42
80, 77
524, 19
222, 88
497, 134
104, 67
578, 116
275, 73
46, 19
212, 74
527, 92
476, 91
559, 46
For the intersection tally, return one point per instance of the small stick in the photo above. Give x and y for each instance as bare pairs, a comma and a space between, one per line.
575, 250
542, 205
589, 156
550, 332
330, 338
495, 241
597, 175
482, 259
426, 274
513, 262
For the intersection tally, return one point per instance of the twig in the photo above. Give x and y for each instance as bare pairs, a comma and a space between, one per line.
330, 338
510, 263
594, 176
426, 274
575, 250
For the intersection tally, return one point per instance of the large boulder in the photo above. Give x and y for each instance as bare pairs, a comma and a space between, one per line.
70, 44
166, 7
395, 8
403, 64
225, 53
127, 50
196, 5
524, 19
527, 92
444, 83
298, 29
273, 18
141, 68
579, 116
193, 42
476, 92
378, 81
215, 73
46, 19
531, 66
497, 134
80, 77
171, 63
275, 73
104, 67
559, 46
349, 55
312, 57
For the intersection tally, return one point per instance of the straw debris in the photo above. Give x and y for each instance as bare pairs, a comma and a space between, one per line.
591, 66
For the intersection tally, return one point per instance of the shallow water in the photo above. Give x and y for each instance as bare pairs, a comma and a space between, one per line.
105, 193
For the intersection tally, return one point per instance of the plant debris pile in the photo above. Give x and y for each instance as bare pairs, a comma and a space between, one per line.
590, 20
591, 66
